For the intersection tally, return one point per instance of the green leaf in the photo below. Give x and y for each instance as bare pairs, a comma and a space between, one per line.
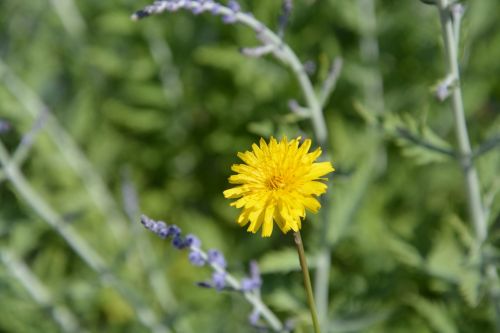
434, 313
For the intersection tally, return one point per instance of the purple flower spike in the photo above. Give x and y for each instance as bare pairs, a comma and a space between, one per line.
219, 280
216, 257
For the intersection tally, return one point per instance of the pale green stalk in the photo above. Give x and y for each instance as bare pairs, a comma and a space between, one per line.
473, 191
79, 245
307, 281
40, 294
92, 181
252, 297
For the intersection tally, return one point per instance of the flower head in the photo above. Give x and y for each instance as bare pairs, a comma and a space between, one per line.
278, 182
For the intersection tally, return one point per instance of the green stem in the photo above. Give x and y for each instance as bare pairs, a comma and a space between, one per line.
476, 209
307, 280
145, 314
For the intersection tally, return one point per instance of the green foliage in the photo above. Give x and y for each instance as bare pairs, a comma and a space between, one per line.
165, 103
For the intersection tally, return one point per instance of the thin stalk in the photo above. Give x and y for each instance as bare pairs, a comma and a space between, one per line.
307, 280
252, 297
83, 168
473, 192
39, 292
146, 315
464, 146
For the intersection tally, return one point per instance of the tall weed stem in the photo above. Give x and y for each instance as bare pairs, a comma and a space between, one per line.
473, 191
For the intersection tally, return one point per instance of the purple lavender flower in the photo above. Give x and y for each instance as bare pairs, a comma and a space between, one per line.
216, 257
173, 230
254, 281
229, 19
193, 241
196, 258
219, 280
178, 242
253, 318
234, 6
216, 9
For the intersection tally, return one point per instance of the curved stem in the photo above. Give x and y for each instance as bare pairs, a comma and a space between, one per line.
307, 280
251, 297
145, 314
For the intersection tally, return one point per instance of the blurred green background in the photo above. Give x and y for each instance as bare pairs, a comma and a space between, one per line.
120, 117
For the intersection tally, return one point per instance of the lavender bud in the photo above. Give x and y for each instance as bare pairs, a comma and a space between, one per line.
163, 232
178, 242
216, 9
229, 19
442, 92
196, 259
193, 241
159, 226
247, 284
253, 318
219, 280
147, 222
234, 6
216, 257
173, 230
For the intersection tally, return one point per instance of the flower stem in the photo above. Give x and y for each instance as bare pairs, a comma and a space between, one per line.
473, 191
307, 280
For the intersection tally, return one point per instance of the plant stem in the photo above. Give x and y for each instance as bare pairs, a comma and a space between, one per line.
307, 280
83, 249
470, 173
252, 297
473, 191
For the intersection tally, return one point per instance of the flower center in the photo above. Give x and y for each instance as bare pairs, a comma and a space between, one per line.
276, 182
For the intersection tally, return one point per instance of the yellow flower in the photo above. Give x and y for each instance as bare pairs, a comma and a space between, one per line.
278, 182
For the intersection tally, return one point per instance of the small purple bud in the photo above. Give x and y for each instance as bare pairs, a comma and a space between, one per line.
178, 242
229, 19
216, 257
196, 259
193, 241
147, 222
197, 10
216, 9
173, 230
253, 318
247, 284
162, 232
442, 92
159, 226
234, 5
219, 280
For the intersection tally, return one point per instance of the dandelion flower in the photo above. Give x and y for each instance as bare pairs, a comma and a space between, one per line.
277, 183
